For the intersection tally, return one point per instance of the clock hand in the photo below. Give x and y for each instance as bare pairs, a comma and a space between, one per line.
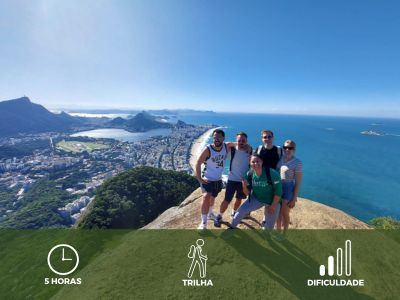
63, 258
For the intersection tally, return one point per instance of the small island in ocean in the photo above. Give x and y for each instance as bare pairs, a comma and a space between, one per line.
371, 132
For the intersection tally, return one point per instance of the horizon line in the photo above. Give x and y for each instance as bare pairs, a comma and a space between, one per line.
56, 108
233, 112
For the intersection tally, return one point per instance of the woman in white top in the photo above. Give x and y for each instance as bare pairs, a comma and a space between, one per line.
291, 170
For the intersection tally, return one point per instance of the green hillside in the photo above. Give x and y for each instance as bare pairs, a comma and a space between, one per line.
136, 197
385, 223
38, 208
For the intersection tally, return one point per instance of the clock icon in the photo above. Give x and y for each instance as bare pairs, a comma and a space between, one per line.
63, 259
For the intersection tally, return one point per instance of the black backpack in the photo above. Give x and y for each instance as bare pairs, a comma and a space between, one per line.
279, 148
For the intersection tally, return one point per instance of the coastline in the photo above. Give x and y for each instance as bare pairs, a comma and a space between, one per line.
196, 147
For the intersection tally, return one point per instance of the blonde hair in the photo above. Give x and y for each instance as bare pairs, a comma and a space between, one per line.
291, 143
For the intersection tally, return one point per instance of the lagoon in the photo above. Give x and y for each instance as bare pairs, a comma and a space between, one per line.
123, 135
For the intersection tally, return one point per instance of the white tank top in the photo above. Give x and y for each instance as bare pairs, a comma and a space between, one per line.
213, 167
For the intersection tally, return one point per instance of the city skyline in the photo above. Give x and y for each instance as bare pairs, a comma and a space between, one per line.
302, 57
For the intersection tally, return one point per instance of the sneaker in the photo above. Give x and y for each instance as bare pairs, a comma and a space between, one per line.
217, 221
202, 226
233, 214
211, 216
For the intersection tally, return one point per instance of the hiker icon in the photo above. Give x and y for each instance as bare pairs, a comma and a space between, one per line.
198, 259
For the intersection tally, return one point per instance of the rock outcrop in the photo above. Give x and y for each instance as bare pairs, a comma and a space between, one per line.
306, 215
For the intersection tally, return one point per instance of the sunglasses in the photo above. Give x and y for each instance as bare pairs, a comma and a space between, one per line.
267, 137
288, 148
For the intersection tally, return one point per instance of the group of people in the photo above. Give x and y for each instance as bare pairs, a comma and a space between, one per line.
269, 176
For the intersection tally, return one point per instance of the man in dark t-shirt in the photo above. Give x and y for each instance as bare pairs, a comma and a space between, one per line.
269, 153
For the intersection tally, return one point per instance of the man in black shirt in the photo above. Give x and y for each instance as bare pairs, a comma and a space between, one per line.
269, 153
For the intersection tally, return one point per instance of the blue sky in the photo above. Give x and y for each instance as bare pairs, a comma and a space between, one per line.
301, 57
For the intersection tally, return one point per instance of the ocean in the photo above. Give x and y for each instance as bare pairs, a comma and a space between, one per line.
343, 168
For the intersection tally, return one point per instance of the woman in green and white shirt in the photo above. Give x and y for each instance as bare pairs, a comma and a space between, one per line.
264, 190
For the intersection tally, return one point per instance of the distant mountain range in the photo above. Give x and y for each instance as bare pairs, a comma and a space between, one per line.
167, 112
143, 121
21, 116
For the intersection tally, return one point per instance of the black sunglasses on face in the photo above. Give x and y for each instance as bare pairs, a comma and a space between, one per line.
267, 137
288, 148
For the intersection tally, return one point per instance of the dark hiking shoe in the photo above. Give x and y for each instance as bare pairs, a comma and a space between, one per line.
217, 221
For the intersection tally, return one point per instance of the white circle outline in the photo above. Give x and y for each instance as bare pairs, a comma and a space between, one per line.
54, 248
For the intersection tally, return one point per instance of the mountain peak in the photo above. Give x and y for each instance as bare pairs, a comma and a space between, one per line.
22, 100
144, 114
23, 116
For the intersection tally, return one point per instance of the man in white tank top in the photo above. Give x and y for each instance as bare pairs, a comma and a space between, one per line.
240, 158
209, 169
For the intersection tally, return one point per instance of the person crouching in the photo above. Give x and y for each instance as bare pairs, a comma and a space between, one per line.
264, 188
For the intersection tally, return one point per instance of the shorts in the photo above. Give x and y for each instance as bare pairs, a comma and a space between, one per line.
212, 187
288, 190
231, 188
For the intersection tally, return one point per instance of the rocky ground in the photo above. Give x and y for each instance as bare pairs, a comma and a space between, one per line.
306, 215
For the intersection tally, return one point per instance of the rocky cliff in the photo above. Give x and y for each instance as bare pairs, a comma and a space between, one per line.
306, 215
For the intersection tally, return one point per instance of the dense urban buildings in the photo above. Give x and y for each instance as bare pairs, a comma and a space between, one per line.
80, 172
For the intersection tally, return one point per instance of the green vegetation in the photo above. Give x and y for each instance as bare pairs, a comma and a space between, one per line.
7, 197
136, 197
78, 146
38, 208
385, 223
74, 177
24, 148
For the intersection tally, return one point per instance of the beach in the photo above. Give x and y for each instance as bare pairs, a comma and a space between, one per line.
196, 148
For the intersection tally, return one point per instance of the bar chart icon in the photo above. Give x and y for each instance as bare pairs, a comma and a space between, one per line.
330, 270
